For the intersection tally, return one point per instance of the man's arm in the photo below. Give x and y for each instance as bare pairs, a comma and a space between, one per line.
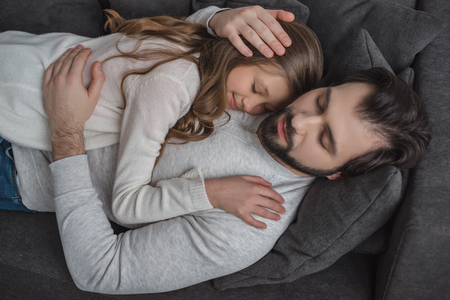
256, 24
67, 103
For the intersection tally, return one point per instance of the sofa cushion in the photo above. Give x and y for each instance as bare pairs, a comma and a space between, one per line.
400, 32
131, 9
334, 217
300, 11
175, 8
83, 17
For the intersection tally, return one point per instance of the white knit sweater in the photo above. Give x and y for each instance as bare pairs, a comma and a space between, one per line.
154, 103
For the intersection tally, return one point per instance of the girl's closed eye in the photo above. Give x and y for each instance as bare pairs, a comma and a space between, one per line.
254, 88
268, 89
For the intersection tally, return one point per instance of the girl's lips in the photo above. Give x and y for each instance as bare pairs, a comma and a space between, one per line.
233, 102
281, 131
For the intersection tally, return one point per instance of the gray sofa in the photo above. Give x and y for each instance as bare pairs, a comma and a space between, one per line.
382, 235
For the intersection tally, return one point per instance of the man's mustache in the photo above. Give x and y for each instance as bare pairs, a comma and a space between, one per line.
289, 130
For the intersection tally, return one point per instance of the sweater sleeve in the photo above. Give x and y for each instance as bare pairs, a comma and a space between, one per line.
203, 16
153, 105
159, 257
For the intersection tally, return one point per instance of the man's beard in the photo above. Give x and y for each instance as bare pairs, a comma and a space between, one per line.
269, 135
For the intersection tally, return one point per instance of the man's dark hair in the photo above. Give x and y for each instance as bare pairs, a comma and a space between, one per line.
397, 114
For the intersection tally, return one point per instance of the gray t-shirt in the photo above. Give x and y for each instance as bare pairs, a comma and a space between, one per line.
180, 251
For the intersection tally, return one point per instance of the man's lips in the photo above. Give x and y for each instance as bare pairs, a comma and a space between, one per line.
281, 129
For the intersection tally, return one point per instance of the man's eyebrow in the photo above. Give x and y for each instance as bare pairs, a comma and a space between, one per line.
330, 133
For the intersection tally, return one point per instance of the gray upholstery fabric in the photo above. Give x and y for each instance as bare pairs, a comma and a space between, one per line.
145, 8
83, 17
399, 32
360, 53
417, 262
131, 9
334, 217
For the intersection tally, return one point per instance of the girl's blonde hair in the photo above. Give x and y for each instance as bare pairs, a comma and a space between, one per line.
301, 64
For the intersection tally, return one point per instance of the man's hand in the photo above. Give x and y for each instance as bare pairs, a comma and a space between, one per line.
68, 104
257, 25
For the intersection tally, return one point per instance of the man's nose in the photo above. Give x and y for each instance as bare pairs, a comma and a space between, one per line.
303, 123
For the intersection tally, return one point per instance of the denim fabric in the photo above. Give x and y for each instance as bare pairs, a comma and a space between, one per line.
10, 198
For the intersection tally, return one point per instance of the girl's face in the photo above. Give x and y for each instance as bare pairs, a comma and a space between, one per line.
255, 90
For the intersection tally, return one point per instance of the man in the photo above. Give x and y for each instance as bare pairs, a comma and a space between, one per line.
333, 132
314, 136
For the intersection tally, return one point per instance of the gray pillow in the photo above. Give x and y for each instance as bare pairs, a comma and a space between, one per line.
361, 53
335, 216
399, 32
407, 75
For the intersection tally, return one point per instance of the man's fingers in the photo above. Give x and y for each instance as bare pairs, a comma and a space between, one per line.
76, 58
59, 62
48, 74
237, 42
282, 15
258, 34
270, 20
79, 61
97, 81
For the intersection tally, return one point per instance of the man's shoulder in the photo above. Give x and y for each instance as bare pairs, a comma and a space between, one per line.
245, 120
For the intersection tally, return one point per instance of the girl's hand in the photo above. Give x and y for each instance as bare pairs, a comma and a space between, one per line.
244, 195
257, 25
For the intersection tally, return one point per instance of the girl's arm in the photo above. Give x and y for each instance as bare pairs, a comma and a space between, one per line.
153, 105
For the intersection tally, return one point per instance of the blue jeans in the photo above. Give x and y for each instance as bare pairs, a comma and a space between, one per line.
10, 198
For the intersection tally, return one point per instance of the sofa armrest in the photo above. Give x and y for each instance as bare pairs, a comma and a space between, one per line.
417, 262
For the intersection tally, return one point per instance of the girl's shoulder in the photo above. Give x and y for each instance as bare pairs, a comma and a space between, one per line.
180, 69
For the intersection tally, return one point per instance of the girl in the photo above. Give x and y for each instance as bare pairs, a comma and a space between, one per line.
165, 79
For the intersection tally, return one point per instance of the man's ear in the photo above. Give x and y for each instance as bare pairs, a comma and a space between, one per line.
336, 176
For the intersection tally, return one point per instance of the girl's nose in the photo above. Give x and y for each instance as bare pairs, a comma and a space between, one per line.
247, 105
252, 105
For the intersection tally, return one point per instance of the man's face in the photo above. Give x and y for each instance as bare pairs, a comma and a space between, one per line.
320, 132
